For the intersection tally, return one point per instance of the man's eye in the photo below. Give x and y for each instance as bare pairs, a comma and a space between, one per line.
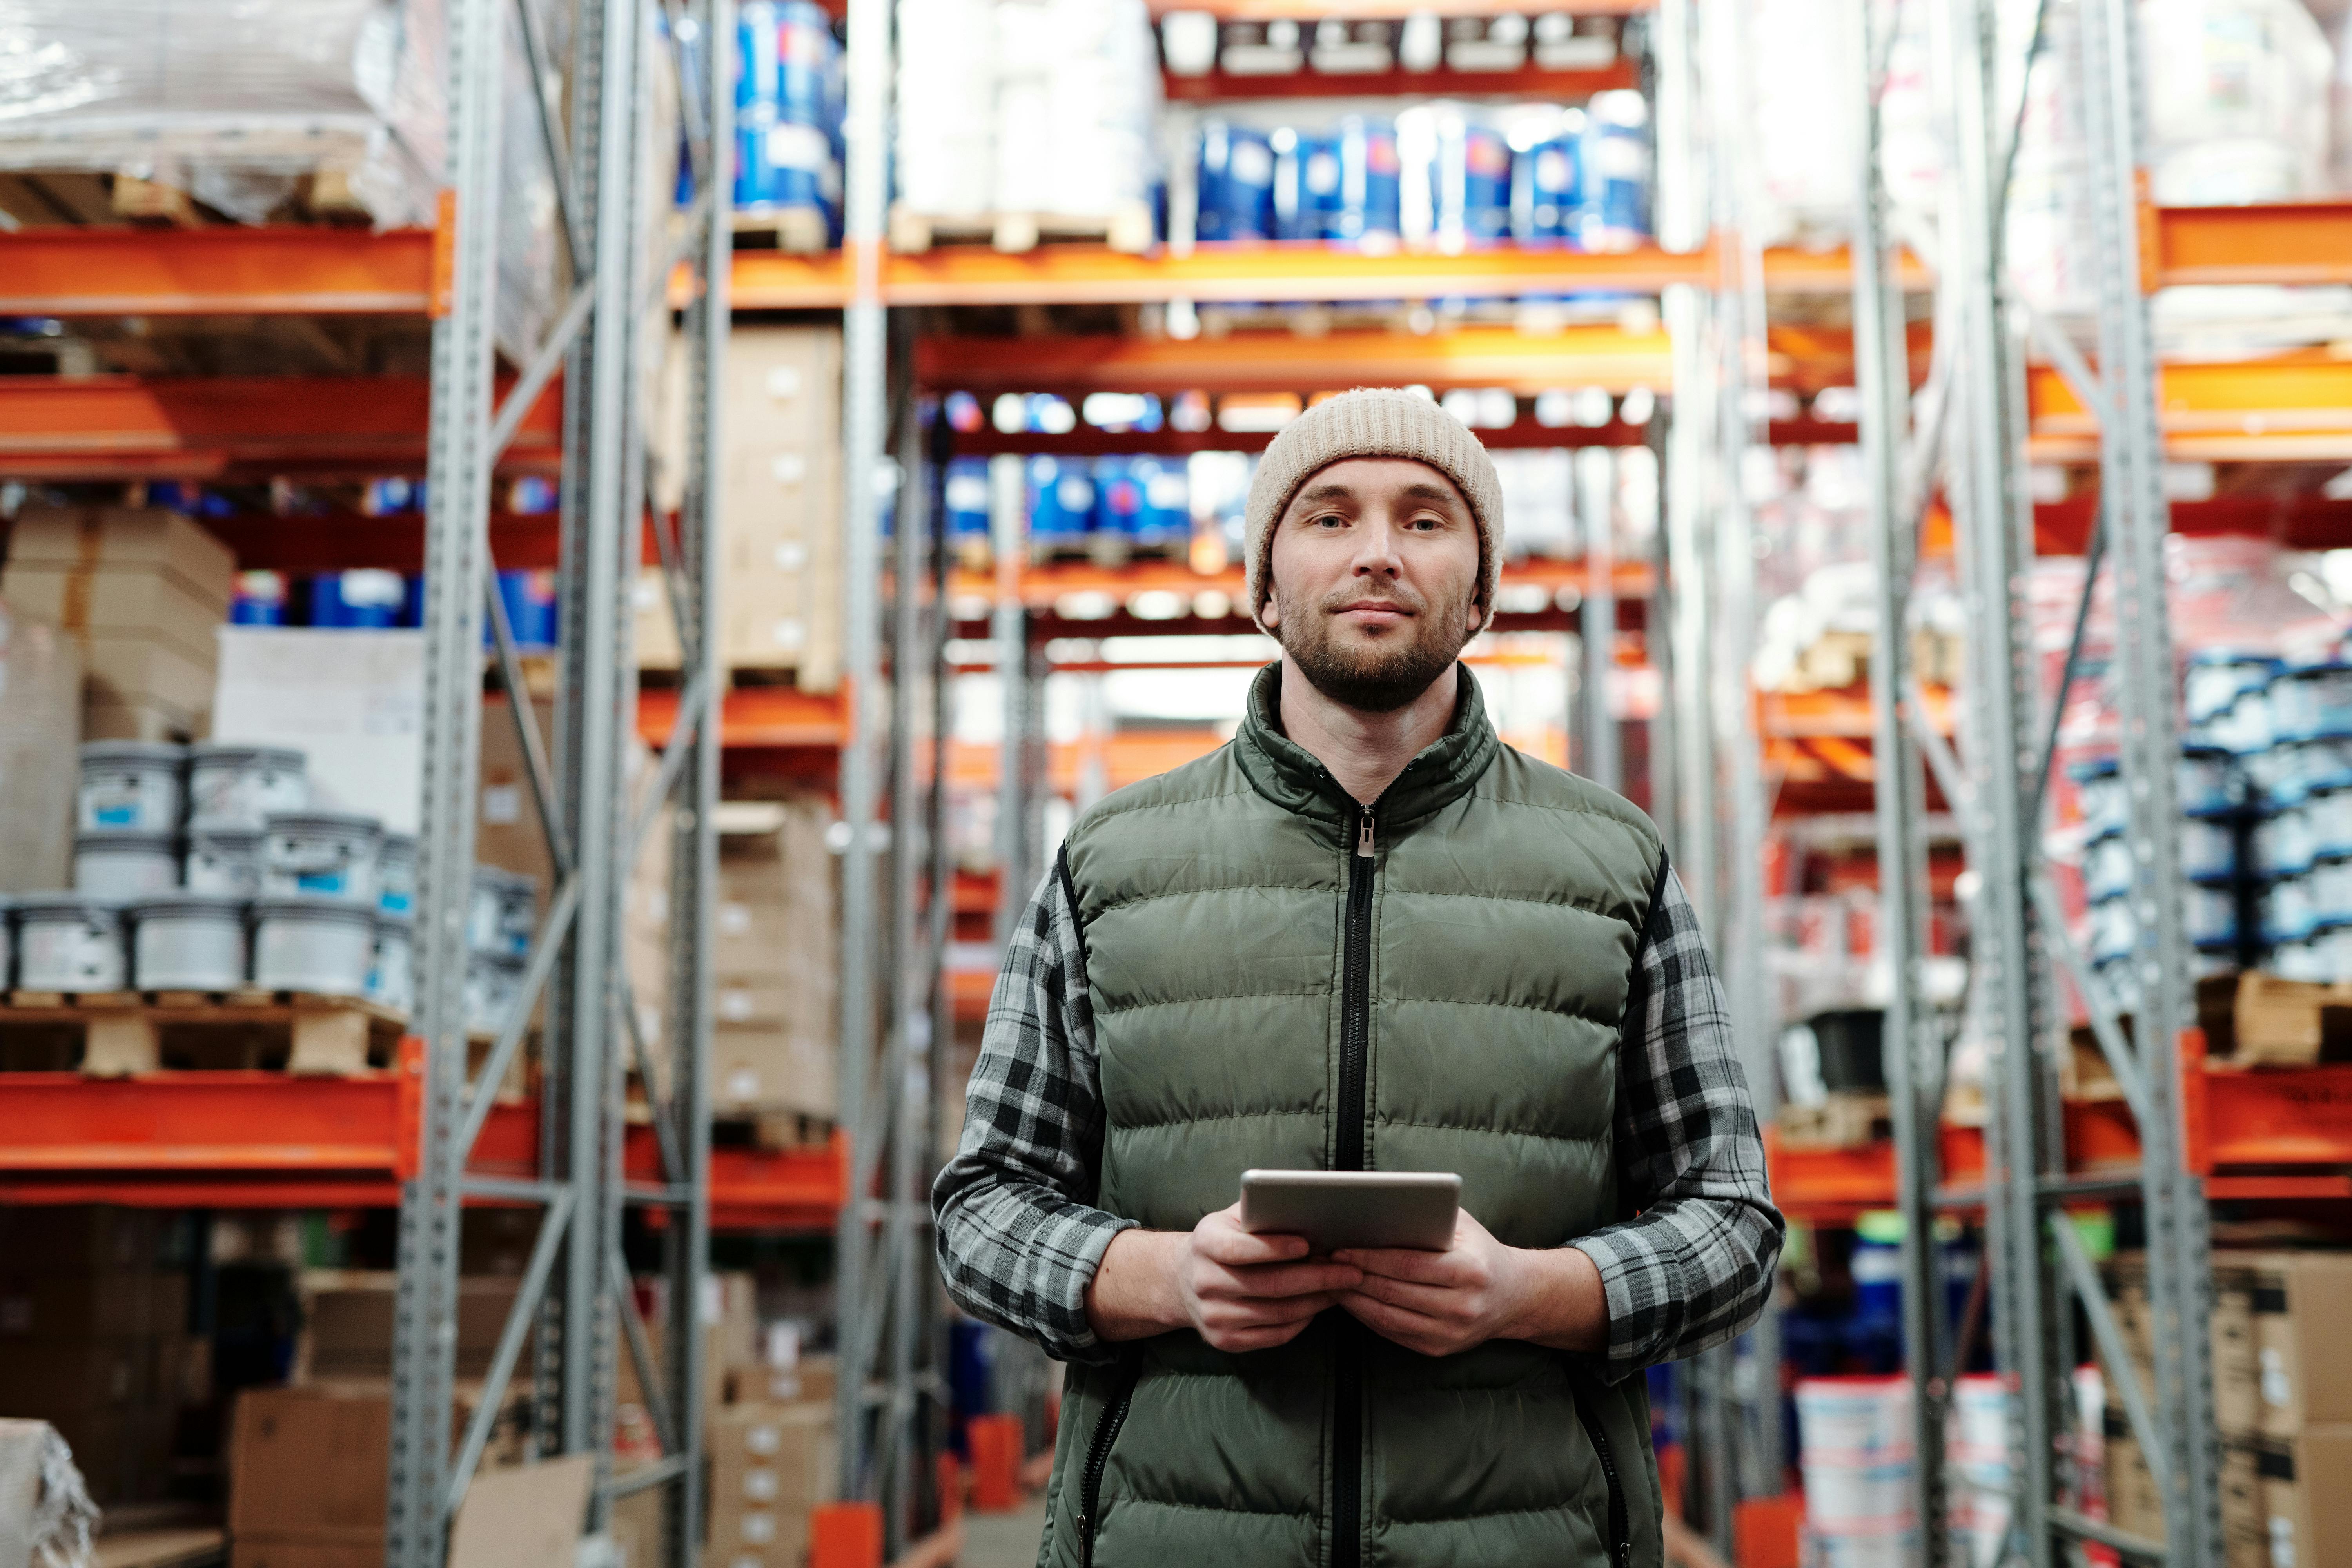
1329, 519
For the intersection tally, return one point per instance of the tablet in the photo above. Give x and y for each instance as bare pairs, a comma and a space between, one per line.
1353, 1208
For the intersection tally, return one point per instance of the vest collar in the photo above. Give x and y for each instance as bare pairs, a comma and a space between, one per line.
1288, 774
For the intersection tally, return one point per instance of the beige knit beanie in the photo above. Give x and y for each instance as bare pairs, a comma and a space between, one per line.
1373, 422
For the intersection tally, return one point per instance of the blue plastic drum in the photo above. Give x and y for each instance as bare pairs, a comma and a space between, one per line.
1236, 184
1368, 205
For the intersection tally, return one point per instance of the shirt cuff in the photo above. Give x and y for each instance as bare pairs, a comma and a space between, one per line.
1636, 1279
1076, 1340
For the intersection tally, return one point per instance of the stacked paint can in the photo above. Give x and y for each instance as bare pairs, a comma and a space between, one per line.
1858, 1459
1976, 1458
788, 112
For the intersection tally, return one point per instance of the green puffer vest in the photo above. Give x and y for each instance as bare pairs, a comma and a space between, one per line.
1264, 993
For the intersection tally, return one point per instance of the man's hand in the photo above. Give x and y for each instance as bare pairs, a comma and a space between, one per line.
1243, 1292
1442, 1304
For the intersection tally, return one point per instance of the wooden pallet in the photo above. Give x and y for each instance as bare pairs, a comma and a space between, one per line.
81, 198
800, 230
1015, 232
112, 1034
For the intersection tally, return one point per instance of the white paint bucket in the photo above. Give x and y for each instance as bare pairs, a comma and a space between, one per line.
69, 942
314, 943
395, 882
390, 981
224, 861
504, 909
188, 941
125, 866
331, 852
130, 786
244, 786
493, 980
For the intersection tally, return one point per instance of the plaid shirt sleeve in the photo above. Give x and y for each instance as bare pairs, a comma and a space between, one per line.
1692, 1267
1019, 1238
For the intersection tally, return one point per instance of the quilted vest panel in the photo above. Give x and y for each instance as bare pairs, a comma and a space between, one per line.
1505, 905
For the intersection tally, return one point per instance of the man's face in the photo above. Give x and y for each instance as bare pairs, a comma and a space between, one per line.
1374, 580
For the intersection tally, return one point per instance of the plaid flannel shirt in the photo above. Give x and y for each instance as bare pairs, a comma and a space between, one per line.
1019, 1235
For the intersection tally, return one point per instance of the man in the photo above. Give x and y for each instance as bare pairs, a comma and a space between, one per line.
1364, 935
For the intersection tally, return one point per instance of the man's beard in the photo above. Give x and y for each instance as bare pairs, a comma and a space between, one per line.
1384, 675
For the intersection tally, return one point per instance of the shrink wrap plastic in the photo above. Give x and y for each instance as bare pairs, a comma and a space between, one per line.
236, 100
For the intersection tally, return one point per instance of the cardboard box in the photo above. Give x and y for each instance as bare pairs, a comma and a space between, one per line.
2132, 1502
354, 702
142, 591
2303, 1337
2237, 1384
2291, 1022
86, 1239
347, 1330
309, 1464
38, 1304
808, 1381
783, 387
774, 958
2307, 1497
41, 720
2246, 1525
769, 1466
280, 1552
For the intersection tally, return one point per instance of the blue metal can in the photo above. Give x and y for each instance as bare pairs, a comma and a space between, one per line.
1545, 191
781, 164
1368, 203
1119, 497
1061, 500
1614, 167
966, 494
1236, 184
1470, 184
783, 59
1167, 513
1306, 185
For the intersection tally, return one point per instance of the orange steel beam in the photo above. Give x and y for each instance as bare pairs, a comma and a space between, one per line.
777, 717
1528, 81
2282, 242
2293, 407
199, 427
1377, 10
230, 271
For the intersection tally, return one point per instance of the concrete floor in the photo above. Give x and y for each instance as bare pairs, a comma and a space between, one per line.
1004, 1539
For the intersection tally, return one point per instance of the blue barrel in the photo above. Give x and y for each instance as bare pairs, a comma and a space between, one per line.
966, 494
1167, 511
1368, 202
369, 600
261, 600
1236, 184
1545, 191
1470, 185
778, 163
784, 53
1614, 199
530, 600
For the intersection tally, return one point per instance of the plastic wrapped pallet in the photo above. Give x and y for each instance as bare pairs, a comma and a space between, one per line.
2238, 100
237, 105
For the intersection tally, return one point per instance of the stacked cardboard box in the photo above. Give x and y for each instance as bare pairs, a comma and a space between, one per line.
145, 591
774, 955
779, 554
93, 1339
771, 1465
40, 730
2281, 1368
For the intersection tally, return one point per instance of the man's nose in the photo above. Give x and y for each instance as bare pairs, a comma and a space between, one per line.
1376, 552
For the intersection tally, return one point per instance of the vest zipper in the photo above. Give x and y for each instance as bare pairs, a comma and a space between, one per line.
1621, 1548
1098, 1458
1355, 1045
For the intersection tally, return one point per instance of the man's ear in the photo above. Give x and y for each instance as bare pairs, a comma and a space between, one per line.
1269, 615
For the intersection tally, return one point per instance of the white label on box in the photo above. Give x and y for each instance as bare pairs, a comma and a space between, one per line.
502, 804
784, 1346
759, 1485
714, 1300
791, 555
788, 468
2276, 1390
734, 920
2282, 1541
784, 381
742, 1084
789, 634
647, 593
765, 1438
735, 1007
759, 1529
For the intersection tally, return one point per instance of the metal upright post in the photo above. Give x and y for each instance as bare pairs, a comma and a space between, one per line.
859, 1297
1883, 380
1008, 541
457, 573
1596, 503
1992, 519
2131, 453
